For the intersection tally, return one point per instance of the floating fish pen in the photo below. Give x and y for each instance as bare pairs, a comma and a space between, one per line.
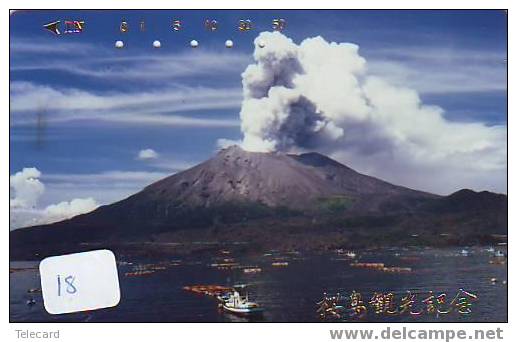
138, 273
252, 270
174, 262
497, 261
19, 269
410, 258
397, 269
280, 264
146, 269
124, 263
158, 268
225, 265
208, 290
373, 265
340, 259
279, 258
379, 266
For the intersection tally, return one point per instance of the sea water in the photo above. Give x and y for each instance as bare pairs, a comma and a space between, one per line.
290, 293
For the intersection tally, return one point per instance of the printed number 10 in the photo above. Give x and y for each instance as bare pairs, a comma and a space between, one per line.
70, 288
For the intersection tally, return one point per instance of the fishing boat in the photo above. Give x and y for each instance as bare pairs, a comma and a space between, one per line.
351, 254
464, 252
233, 302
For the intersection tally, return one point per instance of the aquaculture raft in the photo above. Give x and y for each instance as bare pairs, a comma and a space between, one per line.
209, 290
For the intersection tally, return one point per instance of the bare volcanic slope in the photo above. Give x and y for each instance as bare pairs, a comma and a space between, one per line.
271, 179
236, 188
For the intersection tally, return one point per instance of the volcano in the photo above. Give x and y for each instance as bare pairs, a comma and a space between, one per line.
274, 200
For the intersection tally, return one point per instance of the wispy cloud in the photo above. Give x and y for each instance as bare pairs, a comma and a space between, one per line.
441, 70
168, 164
113, 65
38, 47
152, 107
105, 187
116, 178
170, 91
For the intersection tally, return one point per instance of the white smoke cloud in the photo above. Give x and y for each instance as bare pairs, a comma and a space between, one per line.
65, 210
319, 96
223, 143
26, 188
147, 154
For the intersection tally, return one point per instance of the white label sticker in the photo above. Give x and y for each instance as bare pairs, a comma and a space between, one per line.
79, 282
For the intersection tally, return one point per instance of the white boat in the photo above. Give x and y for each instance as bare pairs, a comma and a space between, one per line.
239, 305
464, 252
499, 254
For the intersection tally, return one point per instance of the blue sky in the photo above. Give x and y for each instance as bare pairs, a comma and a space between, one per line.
81, 110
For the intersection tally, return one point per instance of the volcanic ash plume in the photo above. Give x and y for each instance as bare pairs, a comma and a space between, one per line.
319, 96
294, 98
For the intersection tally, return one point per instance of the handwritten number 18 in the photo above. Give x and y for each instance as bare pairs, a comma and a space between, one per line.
70, 288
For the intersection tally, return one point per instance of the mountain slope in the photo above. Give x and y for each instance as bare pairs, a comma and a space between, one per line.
273, 179
236, 193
